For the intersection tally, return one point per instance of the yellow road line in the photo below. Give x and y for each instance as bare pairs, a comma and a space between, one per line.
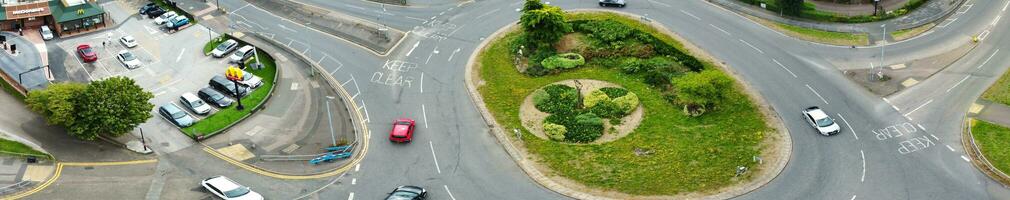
56, 175
132, 162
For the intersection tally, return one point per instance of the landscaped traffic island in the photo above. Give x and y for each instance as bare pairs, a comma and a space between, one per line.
224, 118
616, 106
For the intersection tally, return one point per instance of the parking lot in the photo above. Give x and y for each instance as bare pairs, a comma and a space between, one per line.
172, 64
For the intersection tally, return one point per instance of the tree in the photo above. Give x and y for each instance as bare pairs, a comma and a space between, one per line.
543, 26
112, 106
791, 7
700, 90
55, 103
532, 5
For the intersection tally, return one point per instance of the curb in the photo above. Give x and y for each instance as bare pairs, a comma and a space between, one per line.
977, 158
359, 127
520, 157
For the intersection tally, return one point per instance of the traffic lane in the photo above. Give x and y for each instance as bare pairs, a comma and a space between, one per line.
398, 17
191, 165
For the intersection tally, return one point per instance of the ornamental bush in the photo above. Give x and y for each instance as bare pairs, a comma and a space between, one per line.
702, 89
559, 99
627, 103
614, 92
555, 131
607, 109
594, 97
563, 61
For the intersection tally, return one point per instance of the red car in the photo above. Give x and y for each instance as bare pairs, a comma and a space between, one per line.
403, 130
87, 53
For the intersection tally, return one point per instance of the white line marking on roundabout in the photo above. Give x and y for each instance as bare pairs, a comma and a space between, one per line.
784, 67
689, 14
818, 95
863, 177
951, 148
752, 46
850, 126
447, 191
965, 158
430, 144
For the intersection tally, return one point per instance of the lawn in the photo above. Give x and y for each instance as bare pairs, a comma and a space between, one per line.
992, 140
207, 48
689, 154
17, 149
810, 12
216, 122
826, 37
999, 92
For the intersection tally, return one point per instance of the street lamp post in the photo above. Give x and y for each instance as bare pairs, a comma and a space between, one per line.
142, 140
883, 37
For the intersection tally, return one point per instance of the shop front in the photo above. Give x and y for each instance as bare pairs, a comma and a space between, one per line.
76, 18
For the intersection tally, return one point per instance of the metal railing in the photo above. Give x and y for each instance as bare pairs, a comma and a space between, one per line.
981, 161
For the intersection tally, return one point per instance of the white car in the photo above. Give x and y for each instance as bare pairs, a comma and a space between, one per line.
164, 17
195, 104
821, 121
128, 41
250, 80
241, 54
227, 189
224, 48
128, 59
47, 34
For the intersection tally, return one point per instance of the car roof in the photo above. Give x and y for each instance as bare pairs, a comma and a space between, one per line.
171, 108
817, 113
223, 183
189, 96
209, 91
245, 48
123, 51
128, 37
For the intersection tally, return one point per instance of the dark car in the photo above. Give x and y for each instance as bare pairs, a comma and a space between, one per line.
224, 85
175, 115
615, 3
213, 97
408, 192
155, 12
148, 7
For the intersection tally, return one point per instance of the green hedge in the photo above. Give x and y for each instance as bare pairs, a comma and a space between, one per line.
563, 61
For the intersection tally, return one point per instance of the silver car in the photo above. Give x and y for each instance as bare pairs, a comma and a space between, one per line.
193, 103
821, 121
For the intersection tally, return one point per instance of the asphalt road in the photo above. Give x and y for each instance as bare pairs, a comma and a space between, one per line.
906, 146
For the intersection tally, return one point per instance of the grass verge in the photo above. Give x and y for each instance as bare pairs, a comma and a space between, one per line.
810, 12
15, 148
221, 119
999, 92
991, 139
905, 34
689, 154
814, 35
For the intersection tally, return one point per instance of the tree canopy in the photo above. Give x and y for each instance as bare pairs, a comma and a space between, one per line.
113, 106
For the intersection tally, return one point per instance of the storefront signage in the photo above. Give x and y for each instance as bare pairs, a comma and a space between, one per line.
27, 11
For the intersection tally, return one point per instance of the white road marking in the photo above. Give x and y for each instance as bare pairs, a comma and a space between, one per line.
160, 93
351, 196
983, 35
853, 197
354, 181
934, 137
923, 128
430, 144
689, 14
453, 54
917, 108
951, 148
357, 7
177, 58
286, 28
412, 48
236, 10
1005, 5
958, 83
449, 192
818, 95
996, 20
660, 3
429, 57
425, 115
357, 167
422, 87
752, 46
850, 126
863, 157
965, 158
415, 18
987, 59
720, 30
784, 67
892, 105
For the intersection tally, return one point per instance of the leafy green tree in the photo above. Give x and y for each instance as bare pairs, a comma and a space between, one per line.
532, 5
702, 89
791, 7
112, 106
55, 103
543, 26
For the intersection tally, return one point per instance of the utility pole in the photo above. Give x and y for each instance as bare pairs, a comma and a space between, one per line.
883, 37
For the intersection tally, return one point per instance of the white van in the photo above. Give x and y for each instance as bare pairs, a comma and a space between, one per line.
242, 54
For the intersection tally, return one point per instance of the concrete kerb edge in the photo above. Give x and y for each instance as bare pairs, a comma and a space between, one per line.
381, 54
978, 159
336, 171
541, 179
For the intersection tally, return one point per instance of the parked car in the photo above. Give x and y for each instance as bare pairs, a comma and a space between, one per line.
128, 41
615, 3
224, 48
251, 80
47, 34
164, 17
175, 115
408, 192
128, 59
821, 121
87, 53
242, 54
190, 101
403, 130
144, 9
224, 85
214, 97
228, 189
155, 12
176, 22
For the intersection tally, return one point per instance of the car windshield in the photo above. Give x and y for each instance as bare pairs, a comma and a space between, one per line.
216, 96
237, 192
402, 123
824, 122
86, 50
128, 56
178, 114
196, 103
401, 195
246, 76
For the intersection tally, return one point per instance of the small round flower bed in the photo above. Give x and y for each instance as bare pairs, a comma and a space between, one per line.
606, 112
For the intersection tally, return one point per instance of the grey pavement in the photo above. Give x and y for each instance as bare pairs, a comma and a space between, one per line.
26, 58
994, 112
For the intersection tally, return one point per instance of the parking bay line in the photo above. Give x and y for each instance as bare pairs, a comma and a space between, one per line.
177, 58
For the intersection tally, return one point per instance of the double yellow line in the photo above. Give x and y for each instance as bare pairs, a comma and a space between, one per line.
59, 170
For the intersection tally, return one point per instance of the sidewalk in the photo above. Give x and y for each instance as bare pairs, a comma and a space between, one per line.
991, 112
295, 125
930, 12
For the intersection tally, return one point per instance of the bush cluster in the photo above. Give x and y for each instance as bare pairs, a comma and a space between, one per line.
556, 98
555, 131
581, 124
563, 61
